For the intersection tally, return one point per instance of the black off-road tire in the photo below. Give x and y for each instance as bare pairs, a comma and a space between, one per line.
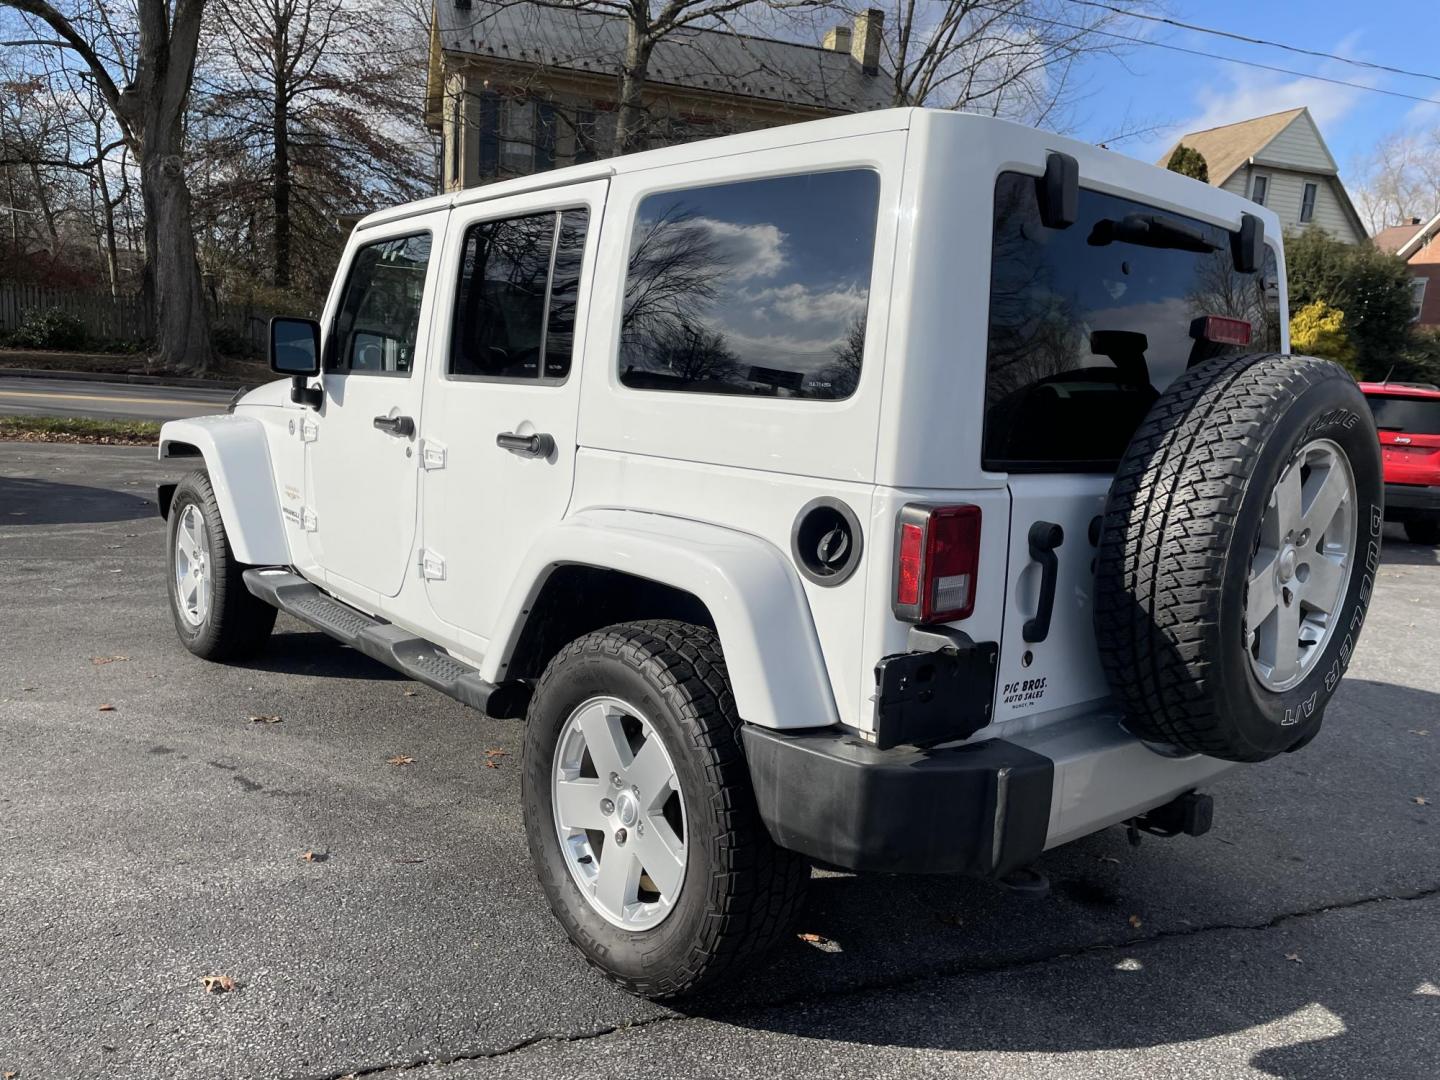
237, 624
1423, 531
740, 894
1181, 526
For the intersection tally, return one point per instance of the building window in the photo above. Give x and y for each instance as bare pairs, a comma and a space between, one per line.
545, 119
489, 140
594, 131
1417, 297
1259, 189
517, 149
1307, 204
457, 121
759, 287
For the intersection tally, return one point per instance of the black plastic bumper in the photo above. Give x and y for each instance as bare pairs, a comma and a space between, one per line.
983, 808
1405, 502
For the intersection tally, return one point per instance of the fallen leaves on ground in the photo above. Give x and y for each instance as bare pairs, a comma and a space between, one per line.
314, 856
1108, 858
260, 718
107, 708
1419, 800
400, 760
11, 1075
492, 758
101, 661
217, 984
1419, 731
1294, 958
410, 693
1136, 922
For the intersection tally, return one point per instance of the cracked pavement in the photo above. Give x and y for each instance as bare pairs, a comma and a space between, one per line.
146, 847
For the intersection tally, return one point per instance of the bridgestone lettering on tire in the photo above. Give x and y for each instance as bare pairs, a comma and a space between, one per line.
1186, 533
740, 893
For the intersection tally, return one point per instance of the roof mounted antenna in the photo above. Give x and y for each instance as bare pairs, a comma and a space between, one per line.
1386, 381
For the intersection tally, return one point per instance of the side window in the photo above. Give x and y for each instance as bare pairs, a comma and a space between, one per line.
758, 287
515, 305
379, 315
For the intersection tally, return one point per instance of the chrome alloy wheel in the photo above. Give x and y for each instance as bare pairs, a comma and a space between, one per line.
192, 566
620, 813
1301, 568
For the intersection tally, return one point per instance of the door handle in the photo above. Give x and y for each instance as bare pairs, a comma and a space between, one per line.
538, 445
400, 426
1045, 537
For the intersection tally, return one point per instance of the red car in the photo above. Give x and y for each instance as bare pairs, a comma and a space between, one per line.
1408, 416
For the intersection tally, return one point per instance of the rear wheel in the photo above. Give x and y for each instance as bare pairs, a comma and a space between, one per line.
215, 615
1425, 531
641, 821
1239, 540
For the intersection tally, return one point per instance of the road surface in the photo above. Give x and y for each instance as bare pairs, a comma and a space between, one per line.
152, 833
106, 400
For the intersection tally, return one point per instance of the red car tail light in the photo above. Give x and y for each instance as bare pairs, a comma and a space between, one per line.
1219, 330
937, 558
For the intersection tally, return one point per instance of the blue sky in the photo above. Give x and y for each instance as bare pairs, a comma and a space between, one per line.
1178, 93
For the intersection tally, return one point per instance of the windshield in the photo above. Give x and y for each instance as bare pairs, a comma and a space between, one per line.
1089, 324
1414, 416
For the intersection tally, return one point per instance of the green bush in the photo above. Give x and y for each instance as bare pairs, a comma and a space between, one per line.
49, 330
1371, 287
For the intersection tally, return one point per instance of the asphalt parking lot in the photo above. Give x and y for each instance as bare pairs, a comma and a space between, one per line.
160, 841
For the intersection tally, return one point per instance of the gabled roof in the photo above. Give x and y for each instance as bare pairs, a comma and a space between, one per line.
1406, 240
1228, 147
1393, 237
706, 60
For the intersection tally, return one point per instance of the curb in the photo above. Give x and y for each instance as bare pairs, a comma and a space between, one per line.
139, 380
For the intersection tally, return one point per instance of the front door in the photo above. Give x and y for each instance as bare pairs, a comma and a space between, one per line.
361, 448
499, 430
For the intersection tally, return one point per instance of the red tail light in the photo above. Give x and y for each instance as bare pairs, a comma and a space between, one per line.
937, 559
1219, 330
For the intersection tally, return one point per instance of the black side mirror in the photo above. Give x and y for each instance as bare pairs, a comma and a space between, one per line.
295, 351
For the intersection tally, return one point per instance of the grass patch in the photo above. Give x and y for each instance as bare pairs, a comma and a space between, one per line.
78, 429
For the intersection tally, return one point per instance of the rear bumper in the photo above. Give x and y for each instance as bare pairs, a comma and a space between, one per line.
980, 808
1404, 502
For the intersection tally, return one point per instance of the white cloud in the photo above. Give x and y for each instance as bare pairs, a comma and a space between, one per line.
798, 303
746, 251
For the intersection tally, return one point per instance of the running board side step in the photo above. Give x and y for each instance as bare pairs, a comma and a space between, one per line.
421, 660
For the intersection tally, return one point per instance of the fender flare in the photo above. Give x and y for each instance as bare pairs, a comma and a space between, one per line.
237, 457
777, 670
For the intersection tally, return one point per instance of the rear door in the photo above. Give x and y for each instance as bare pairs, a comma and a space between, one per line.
499, 430
1088, 324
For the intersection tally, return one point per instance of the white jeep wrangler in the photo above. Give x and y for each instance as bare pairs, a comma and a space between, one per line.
909, 491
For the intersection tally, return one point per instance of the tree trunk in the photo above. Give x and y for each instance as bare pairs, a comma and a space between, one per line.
182, 319
631, 120
280, 171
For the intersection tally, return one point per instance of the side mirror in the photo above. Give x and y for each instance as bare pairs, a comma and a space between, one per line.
295, 351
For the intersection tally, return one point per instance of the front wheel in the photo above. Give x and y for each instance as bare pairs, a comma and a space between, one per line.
1423, 531
640, 816
215, 615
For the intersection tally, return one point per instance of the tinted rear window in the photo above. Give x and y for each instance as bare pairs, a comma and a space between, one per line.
1088, 324
1414, 416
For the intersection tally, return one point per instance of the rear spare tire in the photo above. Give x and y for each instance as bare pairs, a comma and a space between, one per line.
1237, 554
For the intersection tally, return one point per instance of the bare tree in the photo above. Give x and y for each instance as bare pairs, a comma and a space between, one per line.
1399, 179
318, 100
1010, 58
144, 78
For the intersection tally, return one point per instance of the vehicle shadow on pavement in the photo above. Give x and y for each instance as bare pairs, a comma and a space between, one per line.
1397, 551
1301, 954
310, 652
25, 501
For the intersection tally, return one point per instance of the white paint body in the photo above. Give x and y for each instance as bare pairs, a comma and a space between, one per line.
701, 491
